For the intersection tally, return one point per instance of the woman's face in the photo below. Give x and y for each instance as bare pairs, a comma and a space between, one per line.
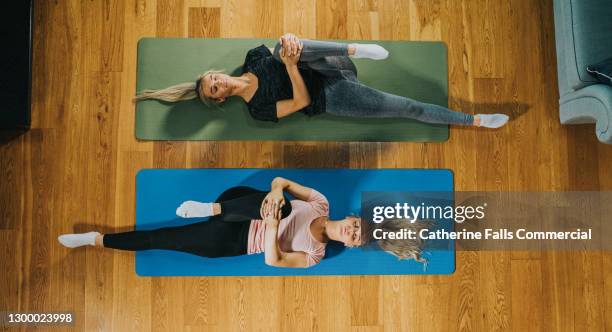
350, 231
216, 86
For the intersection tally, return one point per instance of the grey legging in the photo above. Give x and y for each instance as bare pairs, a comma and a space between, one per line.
346, 96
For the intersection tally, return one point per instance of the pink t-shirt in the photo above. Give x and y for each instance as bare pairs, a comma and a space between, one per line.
294, 231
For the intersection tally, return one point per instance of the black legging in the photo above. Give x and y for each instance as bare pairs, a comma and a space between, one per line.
220, 236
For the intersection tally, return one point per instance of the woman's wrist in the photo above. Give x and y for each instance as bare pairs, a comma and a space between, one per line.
278, 191
278, 184
272, 227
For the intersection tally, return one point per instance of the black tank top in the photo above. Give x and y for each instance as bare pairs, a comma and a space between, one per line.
275, 85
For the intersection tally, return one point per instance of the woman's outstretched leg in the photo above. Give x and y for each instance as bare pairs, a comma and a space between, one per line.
348, 98
207, 238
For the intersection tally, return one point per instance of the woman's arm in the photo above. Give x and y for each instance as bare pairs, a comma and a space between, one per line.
299, 191
301, 97
277, 187
273, 255
290, 55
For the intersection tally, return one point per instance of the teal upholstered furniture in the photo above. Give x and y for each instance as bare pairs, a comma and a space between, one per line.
583, 32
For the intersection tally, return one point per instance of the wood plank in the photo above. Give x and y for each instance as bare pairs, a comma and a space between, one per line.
331, 16
102, 91
202, 303
167, 303
364, 301
249, 18
12, 166
204, 22
169, 154
56, 41
494, 290
466, 306
298, 16
492, 162
131, 310
362, 25
103, 24
607, 291
586, 283
170, 18
268, 17
266, 317
307, 155
425, 20
486, 30
40, 205
394, 20
140, 21
457, 151
527, 315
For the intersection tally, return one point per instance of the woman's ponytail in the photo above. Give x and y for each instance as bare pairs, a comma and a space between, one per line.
179, 92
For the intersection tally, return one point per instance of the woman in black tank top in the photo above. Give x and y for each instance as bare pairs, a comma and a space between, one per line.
313, 77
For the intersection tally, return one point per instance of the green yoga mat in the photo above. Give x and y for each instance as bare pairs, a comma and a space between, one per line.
413, 69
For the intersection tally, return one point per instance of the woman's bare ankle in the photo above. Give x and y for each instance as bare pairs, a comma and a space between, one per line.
216, 207
351, 49
100, 240
476, 121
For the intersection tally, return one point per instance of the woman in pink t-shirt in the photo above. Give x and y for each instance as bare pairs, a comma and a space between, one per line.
242, 221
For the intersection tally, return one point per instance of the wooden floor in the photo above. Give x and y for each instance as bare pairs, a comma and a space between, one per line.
74, 171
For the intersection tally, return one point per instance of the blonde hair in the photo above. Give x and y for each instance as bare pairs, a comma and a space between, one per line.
405, 248
179, 92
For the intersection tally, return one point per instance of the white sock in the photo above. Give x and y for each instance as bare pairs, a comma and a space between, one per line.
193, 209
370, 51
493, 120
78, 240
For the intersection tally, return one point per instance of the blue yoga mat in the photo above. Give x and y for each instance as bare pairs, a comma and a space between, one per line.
160, 191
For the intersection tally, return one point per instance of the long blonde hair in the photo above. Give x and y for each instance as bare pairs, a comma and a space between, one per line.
179, 92
404, 248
